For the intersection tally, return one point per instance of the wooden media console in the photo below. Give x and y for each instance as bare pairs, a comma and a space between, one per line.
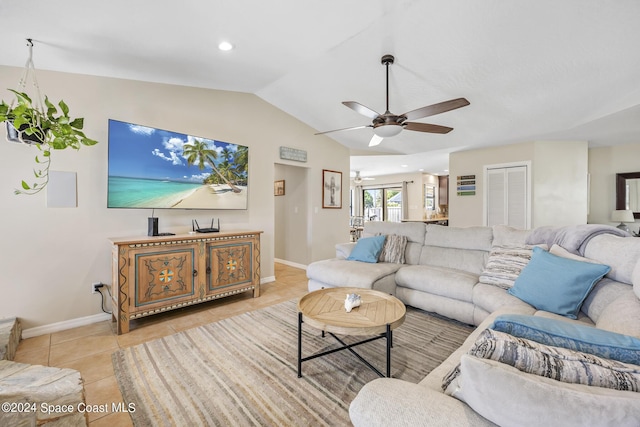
155, 274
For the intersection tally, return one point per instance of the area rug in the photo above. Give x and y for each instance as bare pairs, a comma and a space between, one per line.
242, 371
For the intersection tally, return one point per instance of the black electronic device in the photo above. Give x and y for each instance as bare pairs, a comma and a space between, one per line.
212, 229
152, 226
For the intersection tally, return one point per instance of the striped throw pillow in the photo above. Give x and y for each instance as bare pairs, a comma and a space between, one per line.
393, 249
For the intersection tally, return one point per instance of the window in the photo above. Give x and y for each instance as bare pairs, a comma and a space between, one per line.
382, 204
429, 197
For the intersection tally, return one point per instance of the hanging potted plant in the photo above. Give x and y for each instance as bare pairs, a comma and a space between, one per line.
51, 129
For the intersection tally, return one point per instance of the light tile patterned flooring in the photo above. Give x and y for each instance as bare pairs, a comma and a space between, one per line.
88, 348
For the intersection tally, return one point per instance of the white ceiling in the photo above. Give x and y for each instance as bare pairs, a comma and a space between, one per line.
531, 69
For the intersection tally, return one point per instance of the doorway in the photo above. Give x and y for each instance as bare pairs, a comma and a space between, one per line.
291, 215
382, 204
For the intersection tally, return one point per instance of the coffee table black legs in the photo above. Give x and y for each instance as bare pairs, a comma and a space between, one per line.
387, 335
389, 345
299, 345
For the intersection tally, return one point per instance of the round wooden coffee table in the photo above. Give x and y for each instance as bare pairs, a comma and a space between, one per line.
379, 314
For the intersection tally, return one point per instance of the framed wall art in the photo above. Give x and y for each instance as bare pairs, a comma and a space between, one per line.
331, 189
278, 188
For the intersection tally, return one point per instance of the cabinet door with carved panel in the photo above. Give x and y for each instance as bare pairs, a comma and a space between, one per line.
231, 264
162, 276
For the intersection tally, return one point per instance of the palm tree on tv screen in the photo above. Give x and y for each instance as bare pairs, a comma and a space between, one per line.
241, 162
199, 153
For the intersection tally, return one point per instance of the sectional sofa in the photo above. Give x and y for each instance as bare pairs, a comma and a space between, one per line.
552, 360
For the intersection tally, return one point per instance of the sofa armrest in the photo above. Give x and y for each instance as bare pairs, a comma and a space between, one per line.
388, 402
343, 250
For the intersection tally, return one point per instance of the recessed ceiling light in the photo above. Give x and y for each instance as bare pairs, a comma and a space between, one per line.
405, 166
446, 170
225, 46
420, 170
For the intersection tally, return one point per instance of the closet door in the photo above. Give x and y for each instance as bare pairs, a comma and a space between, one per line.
507, 196
496, 201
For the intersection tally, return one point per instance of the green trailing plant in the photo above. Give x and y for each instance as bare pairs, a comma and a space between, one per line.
48, 130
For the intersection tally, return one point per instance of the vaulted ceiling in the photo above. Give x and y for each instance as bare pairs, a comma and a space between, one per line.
531, 69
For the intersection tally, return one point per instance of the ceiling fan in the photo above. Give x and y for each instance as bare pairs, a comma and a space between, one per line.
358, 179
388, 124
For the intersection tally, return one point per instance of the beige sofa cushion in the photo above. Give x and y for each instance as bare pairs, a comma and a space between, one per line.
622, 316
620, 253
490, 298
485, 385
603, 293
441, 281
503, 235
635, 279
386, 402
472, 238
343, 273
460, 248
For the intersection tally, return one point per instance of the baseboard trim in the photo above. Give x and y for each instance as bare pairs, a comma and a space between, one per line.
269, 279
290, 264
83, 321
64, 325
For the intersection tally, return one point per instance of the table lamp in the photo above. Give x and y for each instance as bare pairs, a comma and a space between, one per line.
623, 216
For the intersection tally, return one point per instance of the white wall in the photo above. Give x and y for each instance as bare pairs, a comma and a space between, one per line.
559, 181
604, 164
50, 256
466, 211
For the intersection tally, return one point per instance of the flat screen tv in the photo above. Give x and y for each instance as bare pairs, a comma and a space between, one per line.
155, 168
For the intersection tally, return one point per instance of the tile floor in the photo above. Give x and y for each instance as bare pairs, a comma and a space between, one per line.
88, 348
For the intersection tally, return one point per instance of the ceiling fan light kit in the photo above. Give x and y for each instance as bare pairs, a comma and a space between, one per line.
386, 131
358, 179
388, 124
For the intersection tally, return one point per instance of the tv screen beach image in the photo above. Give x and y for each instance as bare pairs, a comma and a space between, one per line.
155, 168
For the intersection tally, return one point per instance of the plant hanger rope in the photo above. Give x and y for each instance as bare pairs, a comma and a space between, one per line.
30, 70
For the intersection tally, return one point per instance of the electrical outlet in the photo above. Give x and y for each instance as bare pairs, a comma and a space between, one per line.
95, 286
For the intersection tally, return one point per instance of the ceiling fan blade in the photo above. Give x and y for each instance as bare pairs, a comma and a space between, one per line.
426, 127
432, 110
359, 108
338, 130
375, 140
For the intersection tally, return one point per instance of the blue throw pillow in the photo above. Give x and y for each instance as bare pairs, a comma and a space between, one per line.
367, 249
556, 284
582, 338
